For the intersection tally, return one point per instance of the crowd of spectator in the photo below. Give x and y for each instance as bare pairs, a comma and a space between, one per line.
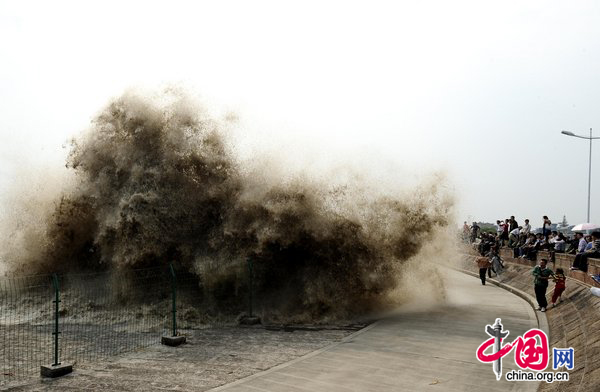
526, 244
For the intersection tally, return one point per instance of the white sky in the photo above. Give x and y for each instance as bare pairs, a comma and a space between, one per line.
478, 89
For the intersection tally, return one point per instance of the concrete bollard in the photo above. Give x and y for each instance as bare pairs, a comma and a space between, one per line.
54, 371
172, 341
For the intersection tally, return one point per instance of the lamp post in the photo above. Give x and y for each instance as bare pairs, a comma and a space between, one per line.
590, 138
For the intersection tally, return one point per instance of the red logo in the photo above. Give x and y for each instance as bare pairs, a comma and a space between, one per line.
531, 349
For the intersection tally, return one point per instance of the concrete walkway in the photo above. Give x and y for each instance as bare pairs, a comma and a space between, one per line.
426, 349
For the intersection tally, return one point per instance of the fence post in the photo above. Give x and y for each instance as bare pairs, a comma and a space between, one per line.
251, 285
56, 369
56, 310
174, 290
250, 319
173, 340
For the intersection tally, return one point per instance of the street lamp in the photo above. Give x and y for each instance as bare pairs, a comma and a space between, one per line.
590, 138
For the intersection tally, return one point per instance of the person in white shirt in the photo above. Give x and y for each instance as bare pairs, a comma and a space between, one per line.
582, 243
560, 243
526, 228
499, 228
513, 237
551, 238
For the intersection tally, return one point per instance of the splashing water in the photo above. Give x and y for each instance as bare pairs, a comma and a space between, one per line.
156, 181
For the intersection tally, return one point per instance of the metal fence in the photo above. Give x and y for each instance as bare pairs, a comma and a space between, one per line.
82, 318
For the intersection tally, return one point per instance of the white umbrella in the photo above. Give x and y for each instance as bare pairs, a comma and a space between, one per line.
585, 227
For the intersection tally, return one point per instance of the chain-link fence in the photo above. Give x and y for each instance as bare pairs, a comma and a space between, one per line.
25, 324
82, 318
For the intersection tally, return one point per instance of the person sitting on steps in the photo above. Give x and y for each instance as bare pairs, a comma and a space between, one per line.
581, 259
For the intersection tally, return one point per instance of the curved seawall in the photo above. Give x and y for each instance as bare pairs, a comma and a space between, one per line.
573, 323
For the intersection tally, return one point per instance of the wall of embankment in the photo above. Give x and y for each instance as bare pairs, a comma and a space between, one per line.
575, 322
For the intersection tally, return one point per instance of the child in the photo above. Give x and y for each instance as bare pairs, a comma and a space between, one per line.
559, 280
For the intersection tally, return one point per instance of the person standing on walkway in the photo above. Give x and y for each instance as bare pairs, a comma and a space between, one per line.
560, 285
540, 283
484, 265
497, 265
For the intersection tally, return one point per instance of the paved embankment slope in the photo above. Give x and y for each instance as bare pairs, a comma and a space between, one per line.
418, 349
573, 323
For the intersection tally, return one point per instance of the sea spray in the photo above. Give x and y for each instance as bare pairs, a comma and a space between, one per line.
157, 181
